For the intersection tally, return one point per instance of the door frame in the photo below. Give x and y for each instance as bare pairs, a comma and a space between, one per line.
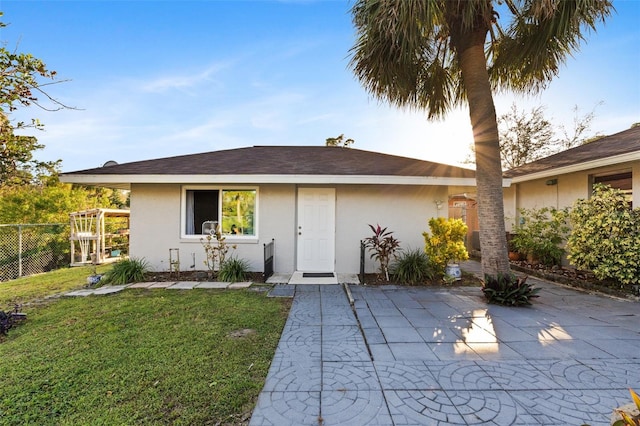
330, 262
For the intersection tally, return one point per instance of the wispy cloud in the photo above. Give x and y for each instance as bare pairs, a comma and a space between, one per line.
184, 80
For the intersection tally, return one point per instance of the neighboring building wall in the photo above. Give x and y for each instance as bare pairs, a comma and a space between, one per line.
510, 208
636, 184
570, 187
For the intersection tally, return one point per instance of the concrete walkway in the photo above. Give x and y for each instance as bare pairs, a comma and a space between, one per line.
442, 356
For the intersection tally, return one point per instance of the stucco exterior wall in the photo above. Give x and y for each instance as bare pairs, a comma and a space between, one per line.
635, 173
156, 223
404, 210
537, 193
278, 220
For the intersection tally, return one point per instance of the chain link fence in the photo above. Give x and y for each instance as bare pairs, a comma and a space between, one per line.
28, 249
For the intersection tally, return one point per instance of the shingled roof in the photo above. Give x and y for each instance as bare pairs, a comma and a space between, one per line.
290, 160
256, 162
613, 149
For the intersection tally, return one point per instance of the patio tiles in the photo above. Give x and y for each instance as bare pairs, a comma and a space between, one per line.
402, 334
622, 348
282, 290
354, 407
450, 359
412, 352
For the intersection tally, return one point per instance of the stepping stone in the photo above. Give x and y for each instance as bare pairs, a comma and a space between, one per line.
183, 285
109, 289
212, 284
282, 290
142, 285
79, 293
161, 285
240, 285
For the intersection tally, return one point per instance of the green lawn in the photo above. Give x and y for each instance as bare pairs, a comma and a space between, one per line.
38, 286
140, 357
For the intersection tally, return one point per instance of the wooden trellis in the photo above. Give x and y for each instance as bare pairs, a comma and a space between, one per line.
98, 236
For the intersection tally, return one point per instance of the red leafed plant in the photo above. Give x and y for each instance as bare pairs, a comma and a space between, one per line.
383, 246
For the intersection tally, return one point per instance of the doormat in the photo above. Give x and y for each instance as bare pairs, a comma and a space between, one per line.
317, 275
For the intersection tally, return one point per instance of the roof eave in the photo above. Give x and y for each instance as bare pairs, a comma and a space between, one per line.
587, 165
125, 181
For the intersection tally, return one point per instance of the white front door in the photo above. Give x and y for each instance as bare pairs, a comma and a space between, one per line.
316, 229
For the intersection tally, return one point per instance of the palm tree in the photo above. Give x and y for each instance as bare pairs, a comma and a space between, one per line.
434, 55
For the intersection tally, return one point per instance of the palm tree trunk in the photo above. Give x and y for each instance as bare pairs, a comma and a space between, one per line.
473, 66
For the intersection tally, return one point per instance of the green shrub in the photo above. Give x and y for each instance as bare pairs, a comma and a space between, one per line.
126, 271
508, 290
413, 267
541, 234
606, 236
446, 242
233, 270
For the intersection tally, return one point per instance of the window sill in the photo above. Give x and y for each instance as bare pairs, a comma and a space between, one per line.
228, 240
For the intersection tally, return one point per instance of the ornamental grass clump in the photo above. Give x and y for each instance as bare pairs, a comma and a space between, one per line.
233, 270
126, 271
413, 267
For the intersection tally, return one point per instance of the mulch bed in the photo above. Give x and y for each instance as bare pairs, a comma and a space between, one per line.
575, 278
467, 280
255, 277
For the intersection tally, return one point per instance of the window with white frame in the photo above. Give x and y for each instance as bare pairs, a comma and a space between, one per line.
232, 209
618, 180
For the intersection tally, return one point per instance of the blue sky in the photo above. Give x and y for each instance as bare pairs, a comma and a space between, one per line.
161, 78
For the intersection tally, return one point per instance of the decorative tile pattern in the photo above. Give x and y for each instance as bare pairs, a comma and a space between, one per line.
426, 356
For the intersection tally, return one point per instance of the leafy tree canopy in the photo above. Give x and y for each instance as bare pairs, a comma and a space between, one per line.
23, 79
339, 141
49, 204
29, 189
527, 136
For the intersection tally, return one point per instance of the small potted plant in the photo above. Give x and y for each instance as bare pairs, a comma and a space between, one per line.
514, 254
94, 279
445, 246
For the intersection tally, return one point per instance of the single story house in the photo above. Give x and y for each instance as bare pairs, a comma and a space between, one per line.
316, 202
560, 179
